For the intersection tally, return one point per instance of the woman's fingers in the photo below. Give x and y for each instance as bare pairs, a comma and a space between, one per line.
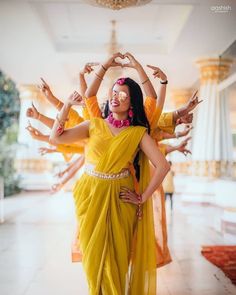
128, 196
117, 54
29, 112
44, 82
152, 67
116, 64
193, 96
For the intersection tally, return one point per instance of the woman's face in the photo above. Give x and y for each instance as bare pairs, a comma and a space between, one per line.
119, 101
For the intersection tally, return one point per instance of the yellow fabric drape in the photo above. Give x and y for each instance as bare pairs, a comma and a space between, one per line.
108, 225
68, 150
86, 115
166, 121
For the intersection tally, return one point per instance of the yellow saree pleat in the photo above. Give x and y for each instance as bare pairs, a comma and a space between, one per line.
107, 225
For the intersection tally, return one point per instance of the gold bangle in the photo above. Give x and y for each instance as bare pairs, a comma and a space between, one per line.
57, 106
105, 69
39, 116
99, 76
145, 81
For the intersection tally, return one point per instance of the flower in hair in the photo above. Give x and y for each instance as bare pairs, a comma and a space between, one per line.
120, 81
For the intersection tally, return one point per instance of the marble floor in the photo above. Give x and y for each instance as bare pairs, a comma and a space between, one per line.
36, 236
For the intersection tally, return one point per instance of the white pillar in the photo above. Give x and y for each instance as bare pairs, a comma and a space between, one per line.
212, 151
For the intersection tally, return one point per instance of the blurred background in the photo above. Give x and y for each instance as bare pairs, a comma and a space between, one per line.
194, 43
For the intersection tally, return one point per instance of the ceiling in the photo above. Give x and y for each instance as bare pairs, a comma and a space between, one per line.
53, 39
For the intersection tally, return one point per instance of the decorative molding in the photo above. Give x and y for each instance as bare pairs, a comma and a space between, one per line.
214, 69
210, 169
33, 165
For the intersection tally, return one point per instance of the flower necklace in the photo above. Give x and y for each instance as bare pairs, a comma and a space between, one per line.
118, 123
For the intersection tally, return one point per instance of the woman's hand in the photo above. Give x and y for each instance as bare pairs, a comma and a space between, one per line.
186, 119
56, 187
111, 62
75, 99
44, 87
133, 63
35, 133
182, 147
158, 73
88, 68
32, 112
186, 131
193, 102
44, 150
128, 196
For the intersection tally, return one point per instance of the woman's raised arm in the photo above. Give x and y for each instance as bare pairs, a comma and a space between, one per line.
59, 134
146, 83
92, 90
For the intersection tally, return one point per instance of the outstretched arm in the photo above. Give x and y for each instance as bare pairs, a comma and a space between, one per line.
33, 113
184, 112
45, 150
180, 147
71, 171
44, 87
165, 135
36, 134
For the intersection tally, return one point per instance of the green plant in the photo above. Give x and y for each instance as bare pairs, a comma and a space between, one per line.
9, 115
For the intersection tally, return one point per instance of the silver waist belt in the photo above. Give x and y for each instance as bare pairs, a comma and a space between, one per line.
124, 173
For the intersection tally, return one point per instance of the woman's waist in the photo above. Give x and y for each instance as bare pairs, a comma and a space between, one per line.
89, 168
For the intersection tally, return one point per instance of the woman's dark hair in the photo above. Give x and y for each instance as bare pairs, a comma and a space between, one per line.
139, 115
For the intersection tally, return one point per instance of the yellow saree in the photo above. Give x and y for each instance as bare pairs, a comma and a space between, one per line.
118, 250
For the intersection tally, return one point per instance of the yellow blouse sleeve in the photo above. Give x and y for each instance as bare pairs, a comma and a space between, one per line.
149, 107
156, 117
156, 134
73, 119
166, 122
69, 150
93, 107
63, 148
162, 148
86, 113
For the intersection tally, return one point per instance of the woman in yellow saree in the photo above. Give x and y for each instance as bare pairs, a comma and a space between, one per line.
118, 246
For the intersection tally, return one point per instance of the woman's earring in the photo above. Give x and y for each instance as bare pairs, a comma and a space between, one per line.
131, 113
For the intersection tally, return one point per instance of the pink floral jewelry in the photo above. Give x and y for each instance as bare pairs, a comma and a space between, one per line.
117, 123
120, 81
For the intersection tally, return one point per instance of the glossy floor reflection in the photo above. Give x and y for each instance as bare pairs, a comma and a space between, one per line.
36, 237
